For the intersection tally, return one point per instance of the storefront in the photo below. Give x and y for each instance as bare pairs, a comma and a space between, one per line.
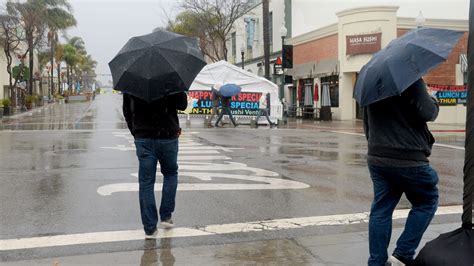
351, 42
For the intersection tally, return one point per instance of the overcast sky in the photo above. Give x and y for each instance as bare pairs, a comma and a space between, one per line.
105, 25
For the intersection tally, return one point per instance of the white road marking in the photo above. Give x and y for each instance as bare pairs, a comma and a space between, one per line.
209, 230
258, 179
202, 158
436, 144
450, 146
182, 151
182, 148
268, 183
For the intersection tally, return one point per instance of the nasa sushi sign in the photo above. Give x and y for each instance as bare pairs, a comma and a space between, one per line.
363, 44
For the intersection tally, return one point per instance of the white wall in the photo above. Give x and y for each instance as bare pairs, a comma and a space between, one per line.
353, 22
3, 74
277, 7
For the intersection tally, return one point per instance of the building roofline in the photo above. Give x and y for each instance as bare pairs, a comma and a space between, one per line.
314, 35
356, 10
450, 24
402, 23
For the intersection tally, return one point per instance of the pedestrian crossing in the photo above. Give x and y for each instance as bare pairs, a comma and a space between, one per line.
205, 163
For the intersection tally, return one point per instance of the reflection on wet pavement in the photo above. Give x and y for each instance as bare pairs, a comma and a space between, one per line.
53, 162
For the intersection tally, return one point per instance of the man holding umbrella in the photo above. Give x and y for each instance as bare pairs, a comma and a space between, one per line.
227, 91
215, 95
153, 72
396, 110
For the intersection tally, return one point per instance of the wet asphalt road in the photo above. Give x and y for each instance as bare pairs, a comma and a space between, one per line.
57, 163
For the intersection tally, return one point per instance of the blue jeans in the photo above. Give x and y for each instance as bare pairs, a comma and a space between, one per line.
149, 152
419, 186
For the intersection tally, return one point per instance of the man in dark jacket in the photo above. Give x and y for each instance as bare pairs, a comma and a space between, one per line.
155, 127
226, 110
216, 99
399, 144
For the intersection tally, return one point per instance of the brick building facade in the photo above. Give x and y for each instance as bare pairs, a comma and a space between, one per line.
320, 62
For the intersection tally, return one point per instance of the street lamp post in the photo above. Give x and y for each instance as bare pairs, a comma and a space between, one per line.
420, 20
283, 32
242, 52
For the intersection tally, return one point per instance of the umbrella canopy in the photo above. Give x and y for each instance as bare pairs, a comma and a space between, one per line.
402, 62
157, 64
229, 90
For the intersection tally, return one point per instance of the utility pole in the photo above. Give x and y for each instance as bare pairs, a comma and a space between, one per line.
266, 37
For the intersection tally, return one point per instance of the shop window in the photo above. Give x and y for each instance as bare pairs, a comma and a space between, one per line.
331, 90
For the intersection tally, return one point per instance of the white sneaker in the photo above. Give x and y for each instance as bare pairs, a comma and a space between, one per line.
167, 224
152, 236
395, 262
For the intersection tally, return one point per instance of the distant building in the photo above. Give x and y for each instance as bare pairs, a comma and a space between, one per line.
247, 37
326, 64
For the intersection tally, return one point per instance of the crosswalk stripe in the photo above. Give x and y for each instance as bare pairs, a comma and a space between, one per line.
209, 230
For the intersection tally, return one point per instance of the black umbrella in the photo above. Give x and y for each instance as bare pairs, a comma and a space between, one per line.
157, 64
457, 247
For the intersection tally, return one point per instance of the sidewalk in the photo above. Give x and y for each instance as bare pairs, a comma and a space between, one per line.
335, 249
27, 113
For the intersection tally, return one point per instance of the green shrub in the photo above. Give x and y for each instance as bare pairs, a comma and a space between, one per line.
30, 99
6, 103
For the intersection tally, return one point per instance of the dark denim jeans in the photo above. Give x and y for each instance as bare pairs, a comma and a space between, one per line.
149, 152
225, 110
265, 113
419, 186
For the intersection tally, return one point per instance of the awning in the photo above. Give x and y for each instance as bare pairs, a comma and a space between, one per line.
314, 69
463, 62
301, 71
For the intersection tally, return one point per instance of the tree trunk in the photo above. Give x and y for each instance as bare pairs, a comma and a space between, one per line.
51, 85
59, 77
31, 63
68, 78
266, 37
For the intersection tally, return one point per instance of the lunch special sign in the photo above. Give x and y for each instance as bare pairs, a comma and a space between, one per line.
245, 103
449, 94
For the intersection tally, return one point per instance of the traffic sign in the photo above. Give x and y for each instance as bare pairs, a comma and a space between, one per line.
278, 61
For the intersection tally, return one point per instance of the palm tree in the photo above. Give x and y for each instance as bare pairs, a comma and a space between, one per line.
75, 57
87, 69
78, 43
37, 15
43, 58
71, 57
58, 19
59, 57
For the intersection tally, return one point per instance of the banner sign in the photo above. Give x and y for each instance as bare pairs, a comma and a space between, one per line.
363, 44
449, 94
245, 103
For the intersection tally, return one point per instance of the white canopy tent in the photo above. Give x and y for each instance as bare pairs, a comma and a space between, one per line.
223, 72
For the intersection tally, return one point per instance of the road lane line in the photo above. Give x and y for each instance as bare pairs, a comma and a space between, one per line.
450, 146
209, 230
436, 144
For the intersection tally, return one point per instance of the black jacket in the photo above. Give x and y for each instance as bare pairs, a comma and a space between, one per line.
155, 120
396, 127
